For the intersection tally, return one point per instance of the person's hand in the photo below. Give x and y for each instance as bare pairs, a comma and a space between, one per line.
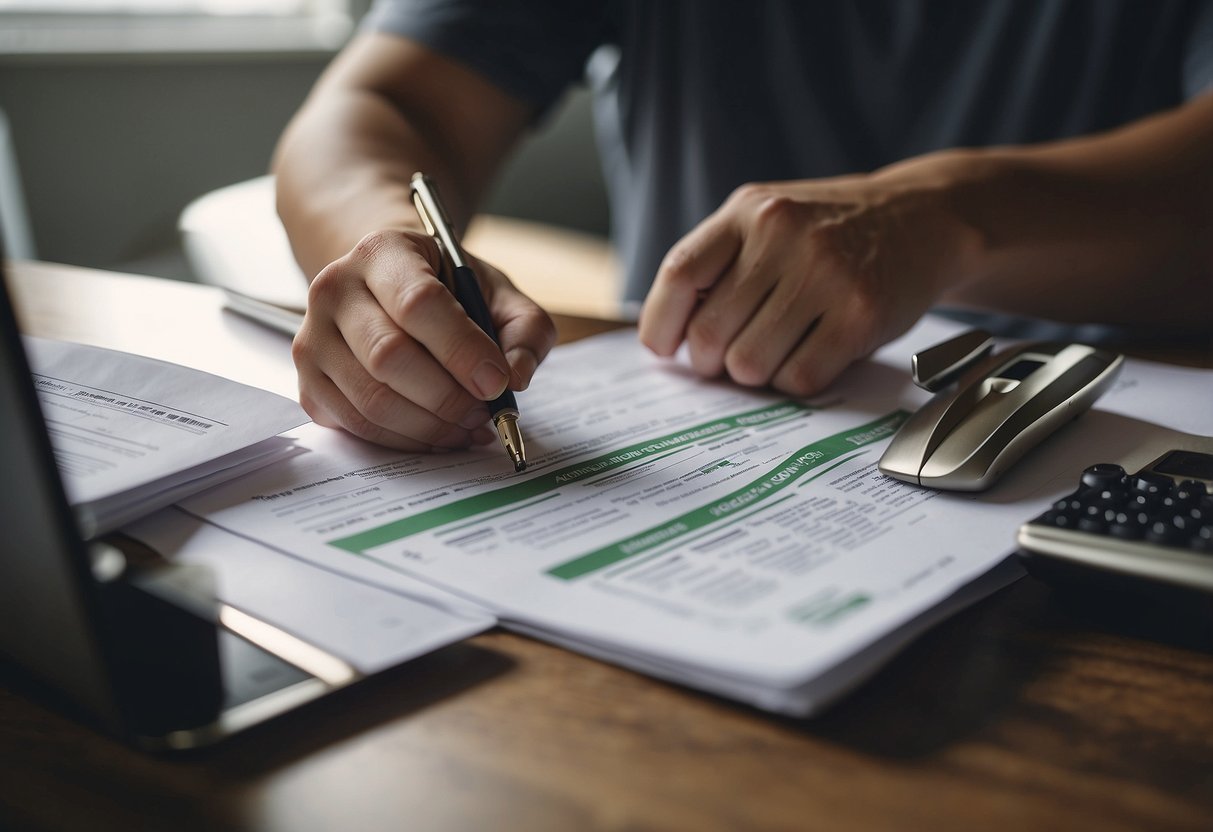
387, 353
788, 283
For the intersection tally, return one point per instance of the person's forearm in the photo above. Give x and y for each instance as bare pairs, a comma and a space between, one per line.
1115, 228
342, 170
384, 110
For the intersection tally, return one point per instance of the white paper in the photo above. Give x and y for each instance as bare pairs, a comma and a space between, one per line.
368, 627
132, 434
731, 539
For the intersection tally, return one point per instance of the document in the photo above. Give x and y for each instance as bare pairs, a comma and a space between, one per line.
734, 540
133, 434
370, 628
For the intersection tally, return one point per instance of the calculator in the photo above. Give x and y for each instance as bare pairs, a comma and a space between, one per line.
1148, 530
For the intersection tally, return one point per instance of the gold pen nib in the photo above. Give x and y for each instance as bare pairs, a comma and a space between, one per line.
511, 438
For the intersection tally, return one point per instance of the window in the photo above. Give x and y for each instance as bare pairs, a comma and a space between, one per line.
42, 27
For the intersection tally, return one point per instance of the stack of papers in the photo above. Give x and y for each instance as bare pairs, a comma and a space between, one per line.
731, 540
132, 434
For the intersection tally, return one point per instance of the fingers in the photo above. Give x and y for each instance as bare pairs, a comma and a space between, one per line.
387, 353
372, 411
691, 267
786, 318
526, 333
770, 290
422, 311
768, 279
820, 357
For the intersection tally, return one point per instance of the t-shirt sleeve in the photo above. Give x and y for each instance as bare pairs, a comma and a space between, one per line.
1198, 60
532, 49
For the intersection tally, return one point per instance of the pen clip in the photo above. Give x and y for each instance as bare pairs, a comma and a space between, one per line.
424, 213
434, 217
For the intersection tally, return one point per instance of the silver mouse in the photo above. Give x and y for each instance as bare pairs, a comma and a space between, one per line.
1002, 407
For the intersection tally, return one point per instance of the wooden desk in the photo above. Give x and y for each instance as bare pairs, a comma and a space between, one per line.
1024, 712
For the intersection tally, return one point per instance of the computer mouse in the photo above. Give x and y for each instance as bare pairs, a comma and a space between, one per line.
1001, 408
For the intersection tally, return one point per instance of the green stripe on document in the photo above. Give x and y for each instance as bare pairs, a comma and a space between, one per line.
552, 480
781, 476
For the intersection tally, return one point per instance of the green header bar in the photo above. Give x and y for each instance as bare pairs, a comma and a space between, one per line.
764, 488
552, 480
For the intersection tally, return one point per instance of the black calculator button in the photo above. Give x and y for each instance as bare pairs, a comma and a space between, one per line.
1092, 525
1177, 502
1151, 484
1068, 506
1124, 529
1202, 541
1129, 525
1185, 525
1194, 487
1141, 501
1103, 475
1166, 533
1108, 498
1059, 519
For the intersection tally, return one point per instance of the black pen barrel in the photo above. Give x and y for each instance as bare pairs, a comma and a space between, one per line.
467, 292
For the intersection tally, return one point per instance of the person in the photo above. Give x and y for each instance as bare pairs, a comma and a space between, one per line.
793, 184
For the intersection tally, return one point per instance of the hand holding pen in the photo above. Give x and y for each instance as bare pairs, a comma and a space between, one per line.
388, 354
462, 282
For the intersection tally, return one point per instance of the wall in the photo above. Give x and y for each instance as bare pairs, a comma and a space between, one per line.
111, 149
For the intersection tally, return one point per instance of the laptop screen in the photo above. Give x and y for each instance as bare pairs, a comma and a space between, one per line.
47, 599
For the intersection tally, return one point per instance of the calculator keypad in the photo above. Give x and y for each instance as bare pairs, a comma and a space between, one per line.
1149, 507
1150, 531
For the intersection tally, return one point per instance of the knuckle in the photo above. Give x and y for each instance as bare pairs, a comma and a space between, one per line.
777, 210
327, 284
464, 355
537, 322
374, 243
302, 347
677, 265
745, 366
418, 298
383, 352
454, 404
703, 334
352, 421
750, 192
311, 405
376, 402
798, 378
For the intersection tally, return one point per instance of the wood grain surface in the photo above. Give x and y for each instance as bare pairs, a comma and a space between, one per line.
1035, 709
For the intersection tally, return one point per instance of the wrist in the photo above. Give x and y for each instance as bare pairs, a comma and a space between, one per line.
956, 186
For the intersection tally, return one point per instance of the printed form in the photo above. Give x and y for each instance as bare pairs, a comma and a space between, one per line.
733, 540
132, 434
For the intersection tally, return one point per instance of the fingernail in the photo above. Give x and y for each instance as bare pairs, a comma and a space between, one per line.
523, 364
483, 436
475, 418
489, 380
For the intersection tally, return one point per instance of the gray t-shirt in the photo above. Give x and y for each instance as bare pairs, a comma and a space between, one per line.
694, 98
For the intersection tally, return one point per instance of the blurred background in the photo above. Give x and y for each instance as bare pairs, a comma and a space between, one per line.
119, 113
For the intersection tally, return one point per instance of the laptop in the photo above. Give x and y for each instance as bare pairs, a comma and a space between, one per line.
144, 652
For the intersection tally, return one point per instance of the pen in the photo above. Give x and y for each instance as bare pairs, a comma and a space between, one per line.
464, 286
